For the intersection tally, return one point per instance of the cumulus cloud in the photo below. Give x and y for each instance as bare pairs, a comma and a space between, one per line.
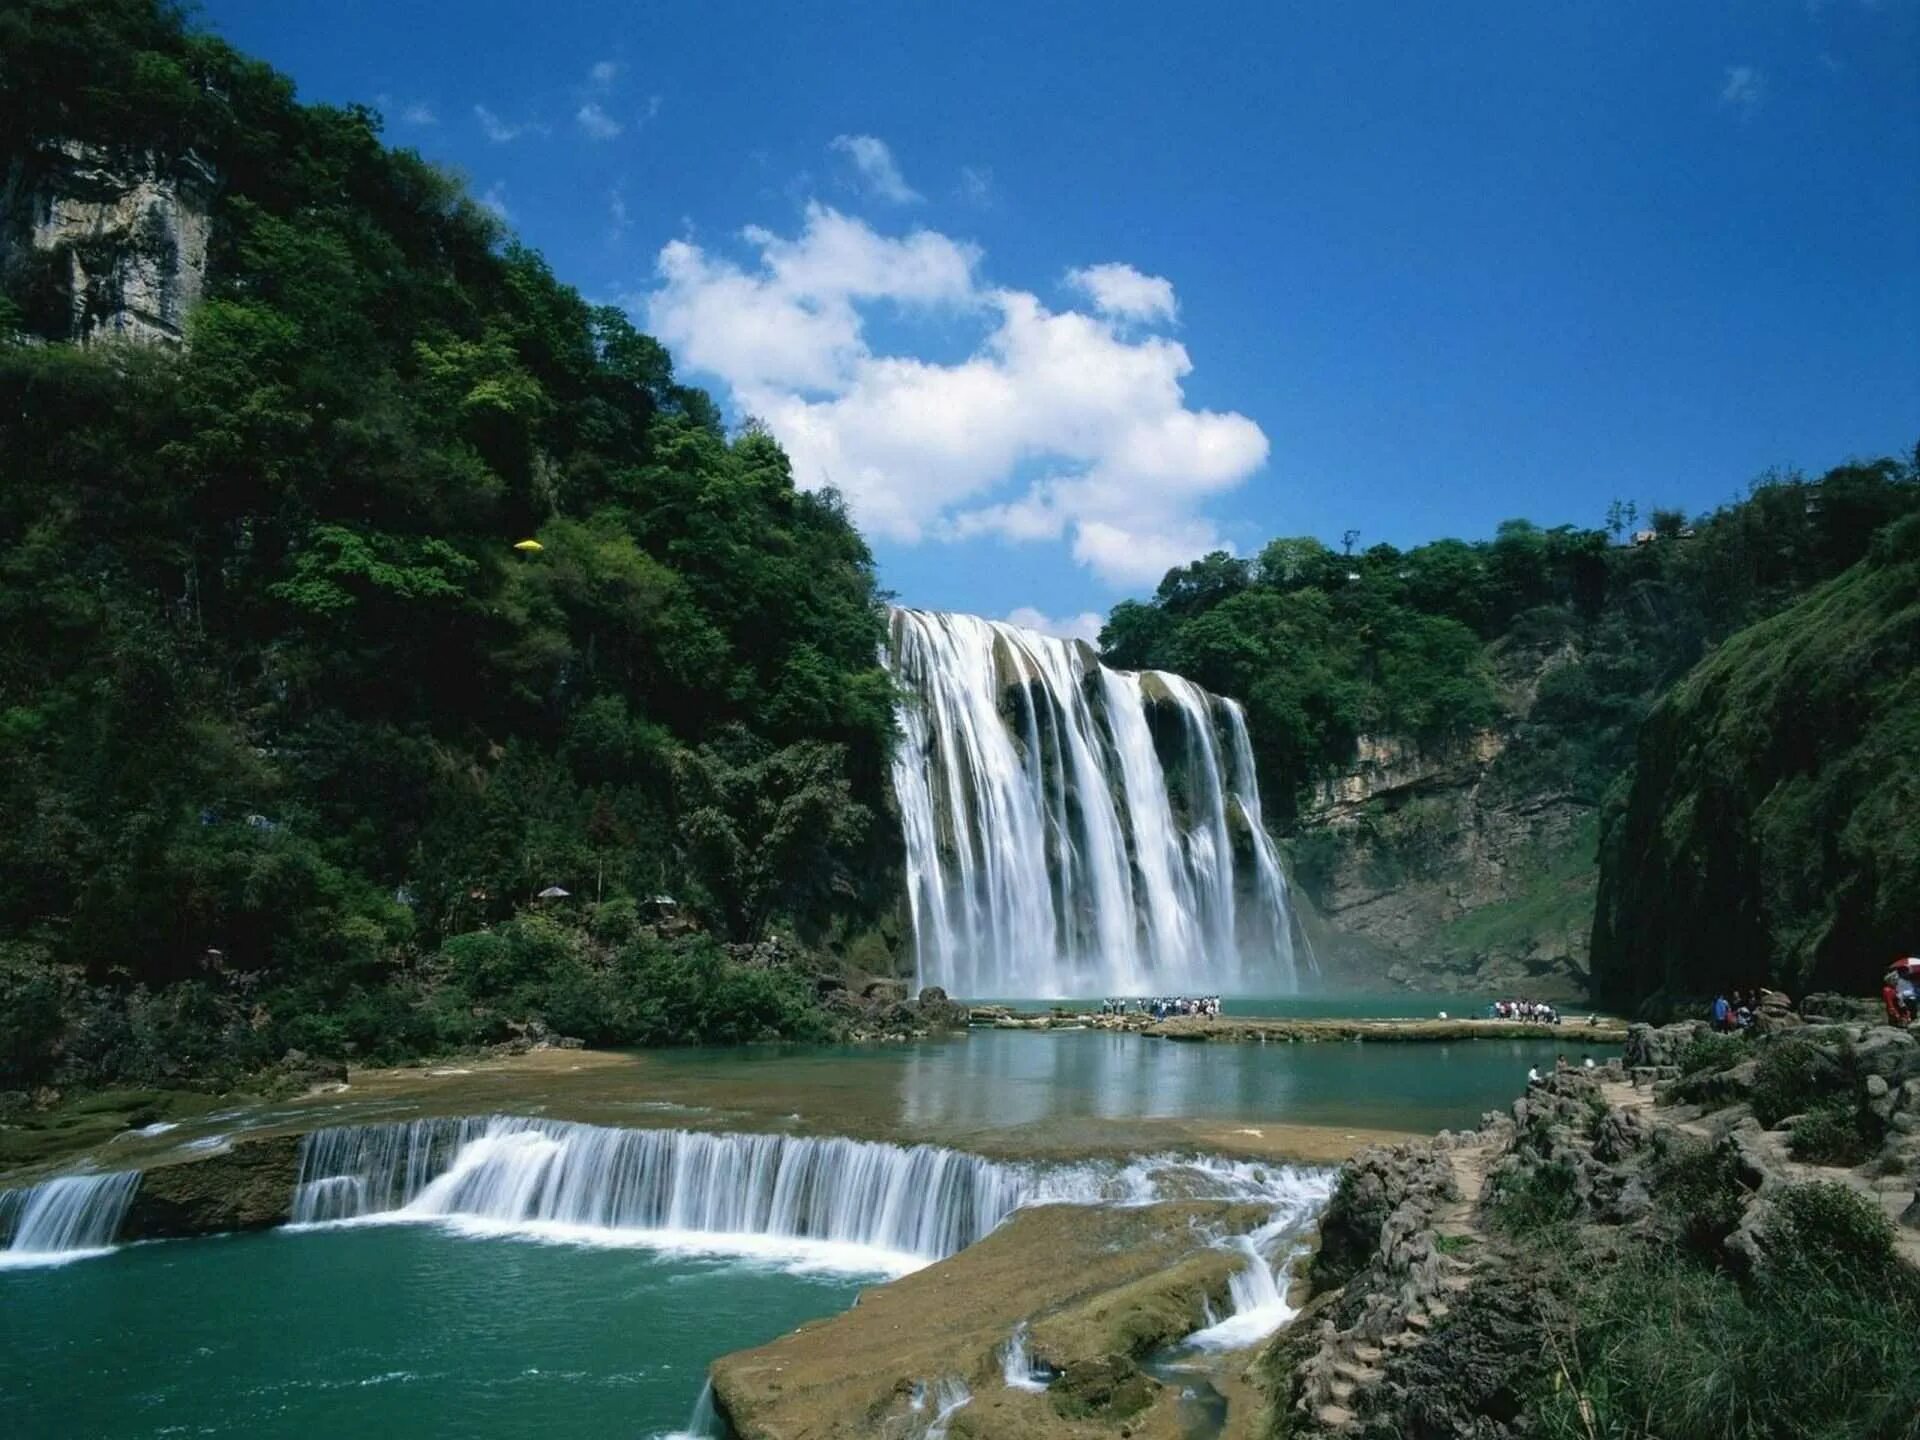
501, 131
495, 199
598, 124
419, 113
878, 172
1123, 292
1743, 89
603, 73
1055, 425
1084, 626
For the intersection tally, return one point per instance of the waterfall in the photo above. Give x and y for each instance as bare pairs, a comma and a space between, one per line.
1017, 1370
854, 1204
1258, 1290
704, 1423
1074, 830
67, 1218
869, 1205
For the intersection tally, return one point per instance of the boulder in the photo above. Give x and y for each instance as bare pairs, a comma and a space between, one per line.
1829, 1006
885, 992
1655, 1047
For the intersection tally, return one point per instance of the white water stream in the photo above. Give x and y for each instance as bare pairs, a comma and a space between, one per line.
70, 1217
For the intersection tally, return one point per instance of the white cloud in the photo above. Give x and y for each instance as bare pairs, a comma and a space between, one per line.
1744, 89
495, 199
419, 113
878, 172
603, 73
976, 185
501, 131
597, 123
1084, 626
654, 102
1055, 425
617, 218
1123, 292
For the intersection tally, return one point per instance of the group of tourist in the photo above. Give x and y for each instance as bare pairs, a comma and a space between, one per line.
1735, 1014
1900, 990
1162, 1006
1534, 1012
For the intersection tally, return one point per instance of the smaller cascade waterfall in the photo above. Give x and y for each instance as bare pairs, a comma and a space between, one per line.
864, 1205
67, 1218
704, 1423
584, 1182
1072, 829
1017, 1368
950, 1397
1258, 1289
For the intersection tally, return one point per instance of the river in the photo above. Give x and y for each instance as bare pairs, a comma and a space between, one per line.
449, 1327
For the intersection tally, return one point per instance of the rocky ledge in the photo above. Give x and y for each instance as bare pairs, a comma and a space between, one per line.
1459, 1278
1096, 1288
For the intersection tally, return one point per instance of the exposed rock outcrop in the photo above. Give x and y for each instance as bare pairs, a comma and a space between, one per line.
248, 1186
106, 243
1454, 878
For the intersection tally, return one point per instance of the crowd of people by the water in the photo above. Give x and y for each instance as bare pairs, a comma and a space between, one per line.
1160, 1007
1532, 1012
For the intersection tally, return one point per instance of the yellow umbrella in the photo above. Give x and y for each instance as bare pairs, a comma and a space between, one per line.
529, 547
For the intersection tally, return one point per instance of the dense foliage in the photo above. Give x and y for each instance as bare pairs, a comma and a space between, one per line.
286, 721
1324, 647
1770, 832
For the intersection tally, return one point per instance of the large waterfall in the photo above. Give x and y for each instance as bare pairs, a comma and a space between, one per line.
66, 1218
863, 1205
1076, 830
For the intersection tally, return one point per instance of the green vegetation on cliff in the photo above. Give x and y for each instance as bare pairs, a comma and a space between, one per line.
285, 717
1772, 831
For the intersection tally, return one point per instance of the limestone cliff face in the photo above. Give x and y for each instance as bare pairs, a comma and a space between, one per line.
105, 244
1433, 865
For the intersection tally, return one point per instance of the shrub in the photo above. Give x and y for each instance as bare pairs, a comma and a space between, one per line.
1700, 1186
1831, 1134
1538, 1198
1710, 1050
1791, 1078
1831, 1228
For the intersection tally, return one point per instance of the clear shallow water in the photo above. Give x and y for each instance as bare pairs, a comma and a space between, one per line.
403, 1331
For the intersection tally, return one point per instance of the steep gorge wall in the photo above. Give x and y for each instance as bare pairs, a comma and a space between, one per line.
105, 243
1771, 834
1447, 866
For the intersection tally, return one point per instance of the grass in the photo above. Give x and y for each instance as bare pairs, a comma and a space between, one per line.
1665, 1343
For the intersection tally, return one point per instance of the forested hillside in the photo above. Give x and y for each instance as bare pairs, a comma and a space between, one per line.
1442, 725
287, 713
1772, 833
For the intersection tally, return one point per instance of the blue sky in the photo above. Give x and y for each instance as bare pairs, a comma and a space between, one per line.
1061, 292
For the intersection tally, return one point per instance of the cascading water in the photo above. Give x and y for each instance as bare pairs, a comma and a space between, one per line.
67, 1218
1259, 1288
1076, 830
899, 1206
863, 1204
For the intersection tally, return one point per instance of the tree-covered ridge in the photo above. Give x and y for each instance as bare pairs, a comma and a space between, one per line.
1770, 833
1324, 647
281, 706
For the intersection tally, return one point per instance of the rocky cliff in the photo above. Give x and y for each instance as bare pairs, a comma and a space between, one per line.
103, 243
1770, 834
1450, 867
